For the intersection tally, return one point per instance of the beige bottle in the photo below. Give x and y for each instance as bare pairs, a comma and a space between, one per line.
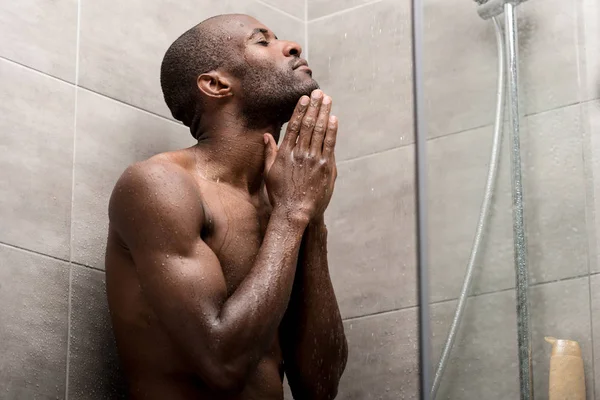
567, 379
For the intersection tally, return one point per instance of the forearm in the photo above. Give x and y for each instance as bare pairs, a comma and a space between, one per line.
316, 349
250, 317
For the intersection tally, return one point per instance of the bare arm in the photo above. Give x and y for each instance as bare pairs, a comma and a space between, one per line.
156, 210
312, 333
314, 344
223, 337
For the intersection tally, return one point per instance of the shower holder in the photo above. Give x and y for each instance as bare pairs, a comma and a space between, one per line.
493, 8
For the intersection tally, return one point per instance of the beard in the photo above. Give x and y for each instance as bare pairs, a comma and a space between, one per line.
270, 97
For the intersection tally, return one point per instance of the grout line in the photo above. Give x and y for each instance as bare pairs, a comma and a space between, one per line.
278, 10
79, 87
37, 253
385, 312
130, 105
56, 78
366, 4
306, 29
586, 154
445, 135
77, 43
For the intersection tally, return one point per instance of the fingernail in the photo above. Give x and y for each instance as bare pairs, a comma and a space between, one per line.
266, 139
327, 100
304, 100
316, 94
332, 119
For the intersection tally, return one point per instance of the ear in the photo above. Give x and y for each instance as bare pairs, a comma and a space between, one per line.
214, 84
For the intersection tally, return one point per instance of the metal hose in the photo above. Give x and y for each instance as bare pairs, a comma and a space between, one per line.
483, 215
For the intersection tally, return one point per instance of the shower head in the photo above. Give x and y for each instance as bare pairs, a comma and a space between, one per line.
491, 8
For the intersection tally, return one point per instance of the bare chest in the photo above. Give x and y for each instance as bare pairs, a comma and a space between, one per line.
234, 229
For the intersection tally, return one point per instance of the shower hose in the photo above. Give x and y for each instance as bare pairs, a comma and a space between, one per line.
483, 214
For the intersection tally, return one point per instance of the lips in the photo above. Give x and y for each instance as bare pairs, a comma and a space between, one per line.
301, 63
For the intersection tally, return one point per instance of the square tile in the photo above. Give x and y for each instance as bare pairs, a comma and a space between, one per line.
40, 34
461, 62
110, 137
484, 355
110, 37
292, 7
548, 37
555, 194
33, 325
485, 351
383, 357
94, 371
458, 168
362, 58
562, 310
371, 222
555, 205
322, 8
36, 160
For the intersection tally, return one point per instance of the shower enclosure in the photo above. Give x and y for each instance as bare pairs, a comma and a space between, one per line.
507, 191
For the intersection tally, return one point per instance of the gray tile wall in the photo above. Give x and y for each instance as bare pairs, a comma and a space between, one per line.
71, 118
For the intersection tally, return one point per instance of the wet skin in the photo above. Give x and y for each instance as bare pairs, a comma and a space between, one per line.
217, 275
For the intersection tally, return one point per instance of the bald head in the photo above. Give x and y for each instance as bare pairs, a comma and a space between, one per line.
205, 47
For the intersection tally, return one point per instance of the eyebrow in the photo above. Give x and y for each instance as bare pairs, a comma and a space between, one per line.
263, 31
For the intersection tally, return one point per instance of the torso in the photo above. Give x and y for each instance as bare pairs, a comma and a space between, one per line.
234, 225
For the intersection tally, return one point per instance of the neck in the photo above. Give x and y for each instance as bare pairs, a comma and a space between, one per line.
231, 152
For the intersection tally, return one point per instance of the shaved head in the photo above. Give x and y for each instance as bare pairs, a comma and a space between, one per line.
203, 48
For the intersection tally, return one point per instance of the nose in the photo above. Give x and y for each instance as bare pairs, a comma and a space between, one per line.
292, 49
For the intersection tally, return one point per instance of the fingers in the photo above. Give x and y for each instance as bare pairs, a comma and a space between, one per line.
330, 137
310, 118
295, 123
270, 152
316, 143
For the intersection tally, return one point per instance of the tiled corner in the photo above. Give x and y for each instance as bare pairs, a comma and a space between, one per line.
36, 137
595, 309
110, 137
383, 357
561, 310
555, 205
292, 7
371, 225
592, 116
33, 325
461, 62
588, 48
554, 189
94, 371
362, 58
40, 34
484, 355
322, 8
120, 59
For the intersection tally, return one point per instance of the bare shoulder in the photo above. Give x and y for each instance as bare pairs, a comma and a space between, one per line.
157, 190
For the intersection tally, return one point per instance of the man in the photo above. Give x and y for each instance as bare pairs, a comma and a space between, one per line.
216, 263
